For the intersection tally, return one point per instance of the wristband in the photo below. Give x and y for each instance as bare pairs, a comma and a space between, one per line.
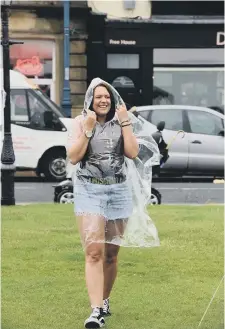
124, 121
129, 124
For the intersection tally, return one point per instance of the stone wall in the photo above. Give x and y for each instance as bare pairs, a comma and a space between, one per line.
78, 74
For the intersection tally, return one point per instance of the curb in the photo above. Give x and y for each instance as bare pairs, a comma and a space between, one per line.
25, 174
163, 204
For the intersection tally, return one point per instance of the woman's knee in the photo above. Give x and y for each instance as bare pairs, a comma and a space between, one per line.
111, 255
94, 253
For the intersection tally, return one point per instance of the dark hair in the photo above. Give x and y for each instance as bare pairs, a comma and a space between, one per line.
112, 110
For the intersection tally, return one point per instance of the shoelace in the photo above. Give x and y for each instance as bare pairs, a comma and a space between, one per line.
95, 313
106, 305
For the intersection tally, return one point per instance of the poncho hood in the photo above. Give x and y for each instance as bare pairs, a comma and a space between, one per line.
90, 93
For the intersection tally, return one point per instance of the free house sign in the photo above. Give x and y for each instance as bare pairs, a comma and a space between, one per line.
122, 42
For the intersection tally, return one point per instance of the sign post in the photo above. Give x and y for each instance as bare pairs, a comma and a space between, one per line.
66, 100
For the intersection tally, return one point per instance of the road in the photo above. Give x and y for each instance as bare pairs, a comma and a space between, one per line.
172, 193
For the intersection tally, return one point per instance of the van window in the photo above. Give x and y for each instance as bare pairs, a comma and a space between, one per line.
41, 115
49, 103
19, 108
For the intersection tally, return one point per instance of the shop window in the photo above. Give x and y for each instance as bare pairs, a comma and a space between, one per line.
33, 58
123, 82
201, 56
123, 61
162, 91
189, 86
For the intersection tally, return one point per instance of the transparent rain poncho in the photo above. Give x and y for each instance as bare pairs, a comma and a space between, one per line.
138, 230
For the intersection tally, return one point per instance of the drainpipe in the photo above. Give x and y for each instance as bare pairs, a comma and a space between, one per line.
66, 99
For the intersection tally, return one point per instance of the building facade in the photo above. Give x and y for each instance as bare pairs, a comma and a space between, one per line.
176, 56
39, 26
122, 9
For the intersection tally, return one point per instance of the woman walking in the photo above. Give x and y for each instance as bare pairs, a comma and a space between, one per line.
110, 189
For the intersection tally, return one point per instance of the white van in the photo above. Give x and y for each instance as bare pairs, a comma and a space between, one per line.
39, 129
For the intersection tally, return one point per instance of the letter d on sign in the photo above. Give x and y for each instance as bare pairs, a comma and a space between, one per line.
220, 39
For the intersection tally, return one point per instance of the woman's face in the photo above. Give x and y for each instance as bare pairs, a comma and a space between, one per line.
101, 101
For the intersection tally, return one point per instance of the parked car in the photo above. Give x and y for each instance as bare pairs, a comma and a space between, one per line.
219, 109
200, 151
63, 193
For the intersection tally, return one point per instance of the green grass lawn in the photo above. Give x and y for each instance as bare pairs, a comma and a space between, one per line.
168, 287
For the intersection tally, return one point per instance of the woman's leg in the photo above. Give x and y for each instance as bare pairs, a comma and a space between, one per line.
94, 273
113, 229
92, 231
110, 268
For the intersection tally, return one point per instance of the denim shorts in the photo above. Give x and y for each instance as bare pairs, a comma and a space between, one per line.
110, 201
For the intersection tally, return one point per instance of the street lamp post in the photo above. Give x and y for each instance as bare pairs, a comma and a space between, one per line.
66, 100
7, 156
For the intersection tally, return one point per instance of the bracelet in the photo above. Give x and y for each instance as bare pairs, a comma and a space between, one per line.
124, 121
129, 124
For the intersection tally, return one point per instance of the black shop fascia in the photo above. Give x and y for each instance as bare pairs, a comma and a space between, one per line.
161, 60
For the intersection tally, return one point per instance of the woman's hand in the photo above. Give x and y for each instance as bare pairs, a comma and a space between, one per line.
90, 120
122, 113
131, 147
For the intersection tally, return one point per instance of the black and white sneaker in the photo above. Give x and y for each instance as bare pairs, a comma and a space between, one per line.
96, 319
106, 309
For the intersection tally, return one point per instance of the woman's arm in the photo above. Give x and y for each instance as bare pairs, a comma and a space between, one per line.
77, 151
131, 148
78, 141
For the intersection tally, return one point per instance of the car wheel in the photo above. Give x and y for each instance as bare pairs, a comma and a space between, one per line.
65, 197
54, 165
155, 197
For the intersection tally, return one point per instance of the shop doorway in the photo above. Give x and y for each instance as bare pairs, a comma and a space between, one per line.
123, 72
127, 86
